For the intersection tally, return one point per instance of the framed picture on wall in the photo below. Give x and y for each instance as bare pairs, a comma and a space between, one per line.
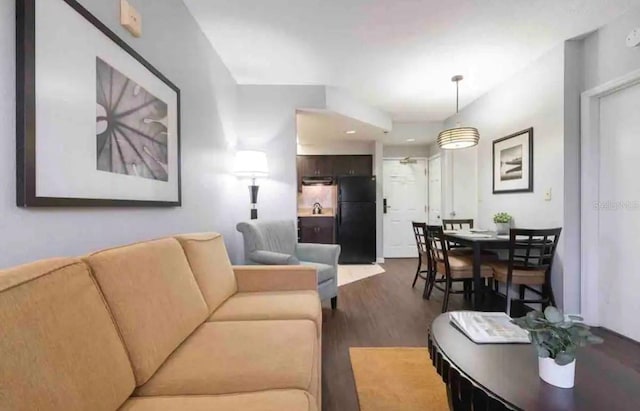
513, 163
97, 124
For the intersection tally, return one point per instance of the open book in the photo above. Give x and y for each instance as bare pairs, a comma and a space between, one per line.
488, 327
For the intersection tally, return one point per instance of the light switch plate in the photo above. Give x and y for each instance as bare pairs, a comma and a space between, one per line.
130, 18
547, 195
633, 39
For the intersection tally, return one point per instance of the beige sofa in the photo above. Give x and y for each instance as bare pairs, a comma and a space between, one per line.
161, 325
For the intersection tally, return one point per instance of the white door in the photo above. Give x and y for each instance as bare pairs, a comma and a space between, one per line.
405, 193
619, 212
435, 191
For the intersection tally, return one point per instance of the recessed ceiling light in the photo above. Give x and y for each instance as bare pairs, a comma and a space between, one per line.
411, 140
350, 132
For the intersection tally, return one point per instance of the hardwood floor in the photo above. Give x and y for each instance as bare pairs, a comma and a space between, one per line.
380, 311
384, 311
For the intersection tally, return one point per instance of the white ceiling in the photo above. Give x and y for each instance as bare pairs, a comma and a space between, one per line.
397, 55
325, 127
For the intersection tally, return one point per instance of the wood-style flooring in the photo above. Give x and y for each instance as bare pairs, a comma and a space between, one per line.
384, 311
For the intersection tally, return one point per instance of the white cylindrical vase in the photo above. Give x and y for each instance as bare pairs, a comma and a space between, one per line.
562, 376
503, 228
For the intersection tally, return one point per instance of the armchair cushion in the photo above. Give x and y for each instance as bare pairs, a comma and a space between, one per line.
272, 258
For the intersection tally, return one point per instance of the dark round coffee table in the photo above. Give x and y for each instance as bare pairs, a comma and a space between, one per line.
505, 376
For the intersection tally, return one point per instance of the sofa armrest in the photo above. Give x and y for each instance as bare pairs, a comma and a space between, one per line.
257, 278
272, 258
318, 253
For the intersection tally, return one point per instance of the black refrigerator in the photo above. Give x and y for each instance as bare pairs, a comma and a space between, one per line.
357, 219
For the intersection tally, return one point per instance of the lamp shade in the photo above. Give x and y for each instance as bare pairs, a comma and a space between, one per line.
249, 163
459, 137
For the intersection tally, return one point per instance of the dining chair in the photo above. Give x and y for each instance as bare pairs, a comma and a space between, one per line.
457, 224
420, 233
451, 267
531, 254
465, 224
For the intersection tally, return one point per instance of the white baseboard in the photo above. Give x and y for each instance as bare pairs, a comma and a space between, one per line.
380, 260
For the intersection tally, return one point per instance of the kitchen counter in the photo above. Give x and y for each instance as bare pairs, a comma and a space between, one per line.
308, 212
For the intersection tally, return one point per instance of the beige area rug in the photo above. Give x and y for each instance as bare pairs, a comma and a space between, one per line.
397, 379
352, 273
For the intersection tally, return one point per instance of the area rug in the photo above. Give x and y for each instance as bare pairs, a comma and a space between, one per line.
351, 273
397, 379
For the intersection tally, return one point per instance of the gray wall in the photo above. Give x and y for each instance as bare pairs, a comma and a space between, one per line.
174, 44
606, 56
532, 98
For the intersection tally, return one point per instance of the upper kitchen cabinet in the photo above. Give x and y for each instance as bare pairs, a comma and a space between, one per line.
319, 166
352, 165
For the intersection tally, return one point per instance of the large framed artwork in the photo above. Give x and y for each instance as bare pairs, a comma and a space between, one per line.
97, 124
513, 163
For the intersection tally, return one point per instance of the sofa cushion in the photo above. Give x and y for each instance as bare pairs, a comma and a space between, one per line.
210, 264
239, 356
59, 348
275, 305
154, 298
325, 272
280, 400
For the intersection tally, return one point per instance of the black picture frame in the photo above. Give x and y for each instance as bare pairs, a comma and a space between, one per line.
529, 161
26, 114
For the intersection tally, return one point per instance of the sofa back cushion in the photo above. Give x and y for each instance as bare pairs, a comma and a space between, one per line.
59, 347
154, 298
210, 264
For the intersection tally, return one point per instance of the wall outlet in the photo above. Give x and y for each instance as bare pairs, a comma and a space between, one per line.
130, 18
547, 195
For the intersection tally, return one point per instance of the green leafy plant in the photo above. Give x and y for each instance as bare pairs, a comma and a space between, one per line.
502, 218
555, 336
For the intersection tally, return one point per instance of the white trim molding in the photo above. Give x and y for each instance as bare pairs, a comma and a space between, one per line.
590, 192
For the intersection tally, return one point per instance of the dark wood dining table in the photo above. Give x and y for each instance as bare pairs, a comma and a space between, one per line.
505, 376
478, 241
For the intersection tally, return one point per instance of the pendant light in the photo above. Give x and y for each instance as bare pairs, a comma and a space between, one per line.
458, 137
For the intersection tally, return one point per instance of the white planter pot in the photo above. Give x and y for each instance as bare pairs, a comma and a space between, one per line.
559, 375
503, 228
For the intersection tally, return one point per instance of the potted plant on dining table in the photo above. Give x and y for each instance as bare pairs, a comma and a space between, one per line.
557, 339
503, 223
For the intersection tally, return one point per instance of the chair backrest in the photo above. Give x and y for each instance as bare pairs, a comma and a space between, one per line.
457, 224
276, 236
420, 233
532, 249
437, 248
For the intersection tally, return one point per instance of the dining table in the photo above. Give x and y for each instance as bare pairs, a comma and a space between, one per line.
477, 241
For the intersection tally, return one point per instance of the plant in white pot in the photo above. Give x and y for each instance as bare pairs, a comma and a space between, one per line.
557, 339
503, 223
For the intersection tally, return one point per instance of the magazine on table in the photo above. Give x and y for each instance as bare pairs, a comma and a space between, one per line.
484, 328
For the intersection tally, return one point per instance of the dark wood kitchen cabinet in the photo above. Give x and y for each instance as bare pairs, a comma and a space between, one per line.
352, 165
319, 166
319, 230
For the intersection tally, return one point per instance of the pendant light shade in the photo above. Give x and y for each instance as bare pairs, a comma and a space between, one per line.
458, 137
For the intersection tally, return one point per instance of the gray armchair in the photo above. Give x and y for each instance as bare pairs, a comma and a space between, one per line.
276, 243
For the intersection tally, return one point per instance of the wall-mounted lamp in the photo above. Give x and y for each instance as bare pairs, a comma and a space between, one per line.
252, 164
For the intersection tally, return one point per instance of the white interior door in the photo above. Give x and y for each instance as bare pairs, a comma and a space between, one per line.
435, 191
405, 193
619, 212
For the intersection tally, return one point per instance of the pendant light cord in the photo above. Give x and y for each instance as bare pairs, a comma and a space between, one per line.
457, 94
